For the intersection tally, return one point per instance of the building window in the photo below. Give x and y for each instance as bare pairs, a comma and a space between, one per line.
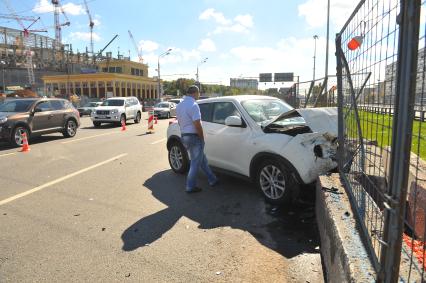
105, 70
118, 70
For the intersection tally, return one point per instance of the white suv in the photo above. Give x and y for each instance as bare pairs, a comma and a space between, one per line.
117, 110
264, 139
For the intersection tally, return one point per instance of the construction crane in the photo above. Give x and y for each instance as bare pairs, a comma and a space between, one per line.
22, 18
27, 50
91, 24
138, 50
58, 26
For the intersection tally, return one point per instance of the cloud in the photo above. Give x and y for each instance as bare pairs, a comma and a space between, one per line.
45, 6
148, 46
340, 11
207, 45
84, 36
217, 16
240, 24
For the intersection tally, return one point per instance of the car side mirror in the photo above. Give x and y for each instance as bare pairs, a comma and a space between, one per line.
234, 121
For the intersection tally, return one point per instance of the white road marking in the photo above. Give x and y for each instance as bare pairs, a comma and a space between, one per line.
162, 140
86, 138
6, 154
39, 188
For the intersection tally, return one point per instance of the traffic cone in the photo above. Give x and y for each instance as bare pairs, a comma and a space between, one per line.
25, 146
123, 126
156, 120
150, 123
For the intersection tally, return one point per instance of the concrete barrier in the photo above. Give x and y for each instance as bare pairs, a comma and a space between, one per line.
344, 255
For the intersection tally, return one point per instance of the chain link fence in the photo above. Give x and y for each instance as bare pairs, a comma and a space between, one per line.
380, 83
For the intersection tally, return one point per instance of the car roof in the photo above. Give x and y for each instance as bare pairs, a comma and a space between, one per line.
237, 98
35, 98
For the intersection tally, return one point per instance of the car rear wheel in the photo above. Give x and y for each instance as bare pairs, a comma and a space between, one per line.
168, 115
178, 158
16, 138
70, 129
275, 182
97, 124
138, 118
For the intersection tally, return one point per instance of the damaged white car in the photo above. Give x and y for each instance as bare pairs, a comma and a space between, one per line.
264, 139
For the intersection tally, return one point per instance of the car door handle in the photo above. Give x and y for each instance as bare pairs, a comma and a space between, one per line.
51, 115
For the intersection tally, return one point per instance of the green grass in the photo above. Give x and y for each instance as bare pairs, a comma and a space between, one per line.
378, 127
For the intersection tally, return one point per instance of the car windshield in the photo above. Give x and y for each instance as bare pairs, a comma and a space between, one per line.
16, 106
113, 102
92, 104
162, 105
265, 110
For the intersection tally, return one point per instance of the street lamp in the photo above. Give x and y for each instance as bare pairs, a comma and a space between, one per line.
158, 70
315, 53
198, 80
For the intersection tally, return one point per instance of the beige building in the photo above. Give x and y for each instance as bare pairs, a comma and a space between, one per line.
114, 77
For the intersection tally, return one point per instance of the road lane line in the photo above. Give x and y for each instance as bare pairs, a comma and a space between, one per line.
39, 188
86, 138
162, 140
6, 154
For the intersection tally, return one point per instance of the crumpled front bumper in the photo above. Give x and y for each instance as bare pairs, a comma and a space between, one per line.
312, 154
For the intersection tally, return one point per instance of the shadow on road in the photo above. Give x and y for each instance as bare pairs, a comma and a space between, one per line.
4, 145
289, 230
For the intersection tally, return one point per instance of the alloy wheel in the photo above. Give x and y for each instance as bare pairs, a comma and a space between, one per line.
272, 182
176, 157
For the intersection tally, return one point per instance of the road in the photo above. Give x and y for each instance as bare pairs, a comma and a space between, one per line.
104, 206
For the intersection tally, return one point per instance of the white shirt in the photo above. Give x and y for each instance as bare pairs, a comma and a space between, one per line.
187, 112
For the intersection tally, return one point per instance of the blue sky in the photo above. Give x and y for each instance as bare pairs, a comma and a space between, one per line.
240, 38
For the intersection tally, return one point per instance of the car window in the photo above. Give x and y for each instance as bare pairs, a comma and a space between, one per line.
206, 111
16, 105
113, 102
223, 110
44, 106
57, 104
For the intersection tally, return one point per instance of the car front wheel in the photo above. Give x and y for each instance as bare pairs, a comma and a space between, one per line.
138, 118
275, 181
17, 138
97, 124
178, 158
70, 129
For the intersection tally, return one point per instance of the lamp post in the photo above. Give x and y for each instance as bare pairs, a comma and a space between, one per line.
315, 53
198, 79
158, 70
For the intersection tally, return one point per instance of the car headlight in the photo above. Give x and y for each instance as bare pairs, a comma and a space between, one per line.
3, 120
114, 111
94, 111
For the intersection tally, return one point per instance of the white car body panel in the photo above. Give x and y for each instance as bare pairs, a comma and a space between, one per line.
233, 148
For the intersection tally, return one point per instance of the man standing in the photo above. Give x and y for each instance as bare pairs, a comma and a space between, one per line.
189, 118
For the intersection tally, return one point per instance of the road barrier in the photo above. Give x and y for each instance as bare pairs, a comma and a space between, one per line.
151, 122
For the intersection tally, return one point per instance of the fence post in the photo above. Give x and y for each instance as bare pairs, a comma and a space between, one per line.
395, 198
341, 128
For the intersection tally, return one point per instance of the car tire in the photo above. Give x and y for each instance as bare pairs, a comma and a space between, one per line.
97, 124
70, 129
275, 181
138, 118
15, 138
178, 158
168, 115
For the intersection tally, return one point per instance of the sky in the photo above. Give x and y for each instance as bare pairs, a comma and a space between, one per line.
240, 38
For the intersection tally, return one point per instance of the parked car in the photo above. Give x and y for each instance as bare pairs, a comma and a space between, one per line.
264, 139
165, 110
37, 116
88, 108
117, 110
176, 100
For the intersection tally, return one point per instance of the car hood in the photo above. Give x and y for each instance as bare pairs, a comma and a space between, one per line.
321, 120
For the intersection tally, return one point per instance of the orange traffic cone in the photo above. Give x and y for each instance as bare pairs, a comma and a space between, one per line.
123, 126
25, 146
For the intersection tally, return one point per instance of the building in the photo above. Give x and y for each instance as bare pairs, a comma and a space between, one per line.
244, 83
115, 77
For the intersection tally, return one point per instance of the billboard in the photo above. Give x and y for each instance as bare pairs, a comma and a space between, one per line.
284, 77
265, 77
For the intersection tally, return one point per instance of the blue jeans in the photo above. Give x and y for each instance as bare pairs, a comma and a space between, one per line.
195, 147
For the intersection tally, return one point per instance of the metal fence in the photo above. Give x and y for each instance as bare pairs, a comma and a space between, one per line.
380, 84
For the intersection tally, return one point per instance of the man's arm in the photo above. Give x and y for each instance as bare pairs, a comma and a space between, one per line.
199, 129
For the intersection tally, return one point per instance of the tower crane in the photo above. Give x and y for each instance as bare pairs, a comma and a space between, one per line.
138, 50
91, 24
58, 26
27, 50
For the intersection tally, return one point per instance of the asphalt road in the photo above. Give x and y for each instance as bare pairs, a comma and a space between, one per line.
104, 206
